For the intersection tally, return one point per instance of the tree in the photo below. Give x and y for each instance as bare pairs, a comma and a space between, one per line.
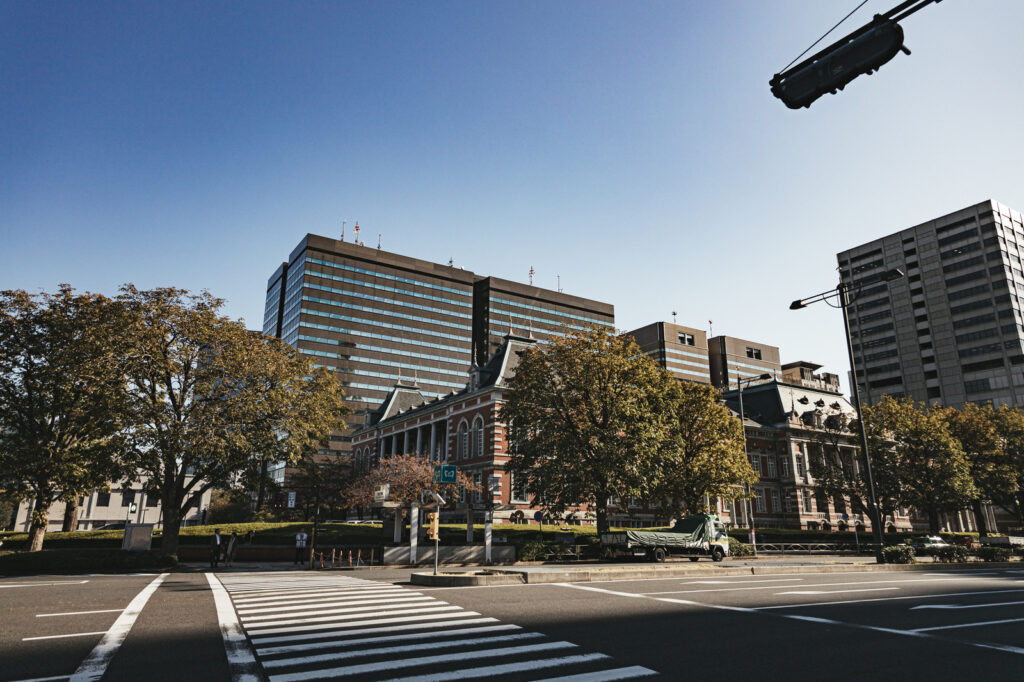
61, 398
915, 451
406, 476
992, 471
208, 399
706, 458
589, 420
1009, 423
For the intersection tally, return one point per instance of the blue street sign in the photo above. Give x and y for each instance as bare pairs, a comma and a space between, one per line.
445, 473
538, 516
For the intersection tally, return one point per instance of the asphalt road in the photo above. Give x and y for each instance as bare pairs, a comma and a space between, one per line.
362, 625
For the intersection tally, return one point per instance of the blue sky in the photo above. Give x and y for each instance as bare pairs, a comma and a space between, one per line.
634, 149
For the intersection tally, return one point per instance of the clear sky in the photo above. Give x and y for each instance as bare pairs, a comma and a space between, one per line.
633, 148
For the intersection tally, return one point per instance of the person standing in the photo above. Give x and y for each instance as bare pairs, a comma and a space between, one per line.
232, 547
300, 545
215, 548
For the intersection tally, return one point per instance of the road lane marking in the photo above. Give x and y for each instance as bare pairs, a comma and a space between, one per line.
733, 582
288, 599
64, 582
328, 606
866, 589
965, 606
77, 613
45, 679
256, 633
422, 660
241, 662
969, 625
311, 636
74, 634
508, 668
605, 675
340, 644
334, 619
864, 601
775, 587
95, 664
405, 648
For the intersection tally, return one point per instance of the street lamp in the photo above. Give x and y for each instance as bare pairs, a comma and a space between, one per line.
743, 430
841, 297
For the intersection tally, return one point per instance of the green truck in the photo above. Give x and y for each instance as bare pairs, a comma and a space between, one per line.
695, 536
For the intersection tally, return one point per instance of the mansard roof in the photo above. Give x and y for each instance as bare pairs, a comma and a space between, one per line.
776, 404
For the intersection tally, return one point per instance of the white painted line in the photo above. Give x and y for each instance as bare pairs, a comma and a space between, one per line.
292, 599
965, 606
866, 589
733, 582
422, 660
311, 636
241, 662
504, 669
865, 601
605, 675
363, 614
775, 587
95, 664
45, 679
338, 644
387, 650
75, 634
969, 625
76, 613
257, 632
46, 584
325, 607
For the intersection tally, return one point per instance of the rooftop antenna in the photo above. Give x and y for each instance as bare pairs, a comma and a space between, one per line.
356, 230
342, 230
451, 262
531, 275
673, 317
711, 329
559, 283
378, 241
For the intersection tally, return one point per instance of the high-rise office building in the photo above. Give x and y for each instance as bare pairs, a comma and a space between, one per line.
951, 331
501, 307
683, 351
377, 318
733, 359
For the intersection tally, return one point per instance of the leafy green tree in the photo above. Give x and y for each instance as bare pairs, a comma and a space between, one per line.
61, 398
916, 452
1009, 423
992, 469
208, 399
406, 476
589, 419
706, 458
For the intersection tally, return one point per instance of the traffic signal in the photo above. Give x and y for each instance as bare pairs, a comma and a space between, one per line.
433, 525
133, 508
861, 52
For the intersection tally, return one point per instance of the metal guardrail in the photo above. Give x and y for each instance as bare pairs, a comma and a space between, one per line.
783, 548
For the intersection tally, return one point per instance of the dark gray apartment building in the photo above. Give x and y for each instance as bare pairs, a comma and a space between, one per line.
951, 331
376, 318
732, 359
683, 351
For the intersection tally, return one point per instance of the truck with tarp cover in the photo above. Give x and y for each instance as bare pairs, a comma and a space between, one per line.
693, 536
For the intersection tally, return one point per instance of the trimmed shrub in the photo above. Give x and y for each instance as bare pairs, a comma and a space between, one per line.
994, 553
83, 560
898, 554
739, 549
955, 554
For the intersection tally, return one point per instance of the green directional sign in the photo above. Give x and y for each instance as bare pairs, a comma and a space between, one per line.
134, 508
445, 473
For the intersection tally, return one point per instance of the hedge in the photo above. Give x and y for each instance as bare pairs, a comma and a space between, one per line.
898, 554
82, 560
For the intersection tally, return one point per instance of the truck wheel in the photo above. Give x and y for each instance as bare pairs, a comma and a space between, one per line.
717, 554
695, 558
658, 555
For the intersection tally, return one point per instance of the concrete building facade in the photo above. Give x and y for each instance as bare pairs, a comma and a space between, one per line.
683, 351
951, 331
732, 359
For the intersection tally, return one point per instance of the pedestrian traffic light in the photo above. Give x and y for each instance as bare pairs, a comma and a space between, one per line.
433, 525
133, 508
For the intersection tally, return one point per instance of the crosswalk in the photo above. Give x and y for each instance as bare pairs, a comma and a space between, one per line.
326, 627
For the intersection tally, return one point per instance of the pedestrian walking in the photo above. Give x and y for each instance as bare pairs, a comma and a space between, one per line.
232, 547
300, 545
216, 547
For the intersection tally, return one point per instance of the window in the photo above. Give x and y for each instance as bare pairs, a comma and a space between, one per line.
462, 441
754, 353
801, 468
152, 500
478, 437
755, 462
759, 499
478, 496
784, 463
771, 468
519, 488
776, 507
102, 499
686, 339
806, 497
127, 497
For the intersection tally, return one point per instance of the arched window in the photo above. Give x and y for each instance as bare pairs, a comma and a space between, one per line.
478, 437
462, 441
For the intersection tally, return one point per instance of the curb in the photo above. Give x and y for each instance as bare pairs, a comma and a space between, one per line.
468, 579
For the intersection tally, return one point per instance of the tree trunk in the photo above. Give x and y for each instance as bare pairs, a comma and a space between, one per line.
40, 519
70, 516
979, 518
262, 486
933, 520
602, 516
172, 525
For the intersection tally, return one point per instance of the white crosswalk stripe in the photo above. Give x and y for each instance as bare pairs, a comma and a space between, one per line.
330, 626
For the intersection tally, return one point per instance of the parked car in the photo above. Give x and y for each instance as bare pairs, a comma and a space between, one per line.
117, 525
928, 542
